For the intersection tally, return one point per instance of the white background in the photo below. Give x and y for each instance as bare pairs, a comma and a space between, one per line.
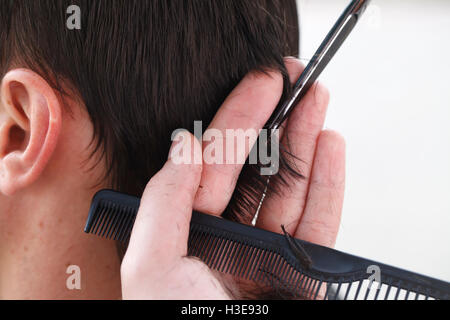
390, 98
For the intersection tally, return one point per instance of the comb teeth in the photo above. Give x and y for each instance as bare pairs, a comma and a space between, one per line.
229, 254
111, 220
268, 260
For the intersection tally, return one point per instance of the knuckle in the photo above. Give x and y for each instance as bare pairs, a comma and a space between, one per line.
333, 135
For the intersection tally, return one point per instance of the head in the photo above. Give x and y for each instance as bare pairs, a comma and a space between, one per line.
82, 110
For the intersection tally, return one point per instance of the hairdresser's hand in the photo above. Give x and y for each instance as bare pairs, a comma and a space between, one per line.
156, 265
309, 208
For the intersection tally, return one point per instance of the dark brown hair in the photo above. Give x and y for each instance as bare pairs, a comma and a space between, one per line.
145, 68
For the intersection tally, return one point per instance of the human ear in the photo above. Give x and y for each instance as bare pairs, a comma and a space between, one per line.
30, 123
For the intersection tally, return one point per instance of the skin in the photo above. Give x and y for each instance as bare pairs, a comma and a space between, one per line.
45, 192
46, 189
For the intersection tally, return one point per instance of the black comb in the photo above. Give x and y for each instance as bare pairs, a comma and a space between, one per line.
300, 269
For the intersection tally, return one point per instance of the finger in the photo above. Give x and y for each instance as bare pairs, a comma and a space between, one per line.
161, 230
300, 137
248, 108
322, 215
294, 67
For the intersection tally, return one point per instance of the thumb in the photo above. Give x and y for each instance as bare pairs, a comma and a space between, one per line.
161, 230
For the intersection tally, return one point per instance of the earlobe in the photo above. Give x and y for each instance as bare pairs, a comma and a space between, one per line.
30, 122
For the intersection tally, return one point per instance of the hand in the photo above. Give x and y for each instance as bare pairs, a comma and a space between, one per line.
156, 266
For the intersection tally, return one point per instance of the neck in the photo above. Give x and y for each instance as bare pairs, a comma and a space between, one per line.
40, 239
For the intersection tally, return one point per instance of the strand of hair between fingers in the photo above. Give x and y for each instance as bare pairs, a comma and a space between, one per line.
299, 252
